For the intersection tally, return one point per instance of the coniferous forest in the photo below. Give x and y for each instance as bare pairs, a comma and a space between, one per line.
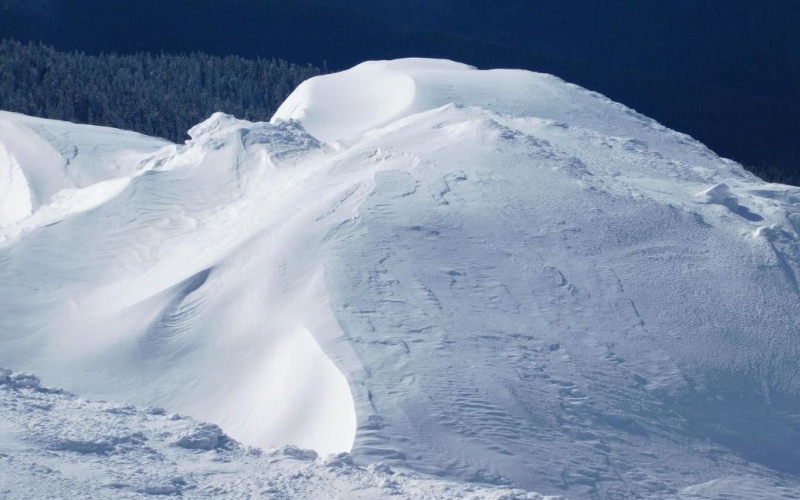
725, 72
158, 95
164, 95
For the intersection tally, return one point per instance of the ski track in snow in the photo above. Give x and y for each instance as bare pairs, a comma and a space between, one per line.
490, 276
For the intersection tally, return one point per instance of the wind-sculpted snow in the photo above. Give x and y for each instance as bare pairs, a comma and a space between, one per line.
44, 162
174, 291
492, 276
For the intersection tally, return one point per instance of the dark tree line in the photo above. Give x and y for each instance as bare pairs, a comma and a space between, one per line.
165, 95
725, 72
158, 95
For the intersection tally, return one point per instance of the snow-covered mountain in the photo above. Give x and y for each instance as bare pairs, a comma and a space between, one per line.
492, 276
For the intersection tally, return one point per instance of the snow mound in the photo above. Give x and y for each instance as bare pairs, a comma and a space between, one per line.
165, 302
379, 98
491, 276
40, 158
19, 380
203, 437
374, 94
720, 194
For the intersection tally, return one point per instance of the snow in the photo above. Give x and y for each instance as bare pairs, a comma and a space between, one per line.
14, 191
490, 276
141, 314
350, 103
39, 158
56, 445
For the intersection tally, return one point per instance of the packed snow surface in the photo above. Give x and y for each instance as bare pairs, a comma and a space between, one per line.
491, 276
54, 444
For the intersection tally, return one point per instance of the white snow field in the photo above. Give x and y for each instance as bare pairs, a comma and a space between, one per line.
56, 445
494, 277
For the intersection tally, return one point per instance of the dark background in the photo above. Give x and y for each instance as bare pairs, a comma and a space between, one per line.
726, 72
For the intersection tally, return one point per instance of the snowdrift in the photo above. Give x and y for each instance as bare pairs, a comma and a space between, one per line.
493, 276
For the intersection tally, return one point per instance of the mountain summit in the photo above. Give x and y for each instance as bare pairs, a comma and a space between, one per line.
492, 276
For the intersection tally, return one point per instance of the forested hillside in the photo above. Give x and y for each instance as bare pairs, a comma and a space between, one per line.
158, 95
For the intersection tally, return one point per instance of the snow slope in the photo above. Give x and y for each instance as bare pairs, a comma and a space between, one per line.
492, 276
159, 294
47, 163
56, 445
